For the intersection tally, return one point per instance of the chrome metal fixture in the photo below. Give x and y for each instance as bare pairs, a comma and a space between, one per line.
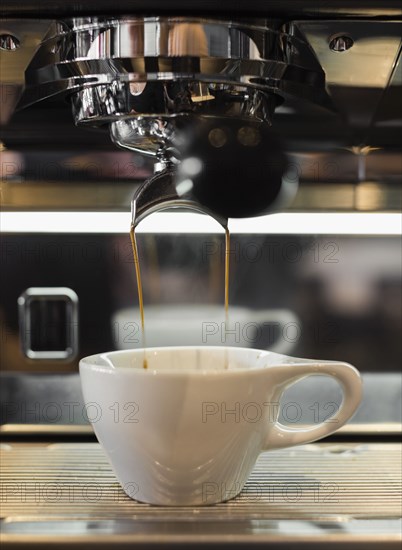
9, 43
341, 43
150, 79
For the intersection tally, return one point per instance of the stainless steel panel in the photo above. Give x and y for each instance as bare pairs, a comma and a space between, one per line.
344, 289
27, 36
319, 493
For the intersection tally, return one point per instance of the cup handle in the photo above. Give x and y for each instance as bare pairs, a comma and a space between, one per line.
280, 436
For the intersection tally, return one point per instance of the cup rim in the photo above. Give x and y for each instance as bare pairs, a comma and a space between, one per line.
108, 368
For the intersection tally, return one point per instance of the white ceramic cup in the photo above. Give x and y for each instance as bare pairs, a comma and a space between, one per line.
204, 324
188, 429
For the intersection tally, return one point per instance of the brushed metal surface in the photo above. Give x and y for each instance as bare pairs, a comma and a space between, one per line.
61, 484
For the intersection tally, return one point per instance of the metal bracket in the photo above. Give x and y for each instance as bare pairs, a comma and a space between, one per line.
48, 294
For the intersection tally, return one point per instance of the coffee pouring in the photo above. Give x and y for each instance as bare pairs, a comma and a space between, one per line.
199, 96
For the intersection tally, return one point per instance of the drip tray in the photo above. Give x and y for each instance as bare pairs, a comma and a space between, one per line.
63, 493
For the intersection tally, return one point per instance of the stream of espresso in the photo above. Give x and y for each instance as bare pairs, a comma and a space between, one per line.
140, 295
139, 287
227, 264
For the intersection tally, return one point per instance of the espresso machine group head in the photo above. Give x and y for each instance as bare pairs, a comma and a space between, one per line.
198, 95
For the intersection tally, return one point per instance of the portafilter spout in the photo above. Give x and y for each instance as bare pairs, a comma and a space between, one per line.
159, 193
223, 167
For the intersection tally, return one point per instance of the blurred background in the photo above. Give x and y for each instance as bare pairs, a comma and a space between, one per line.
321, 280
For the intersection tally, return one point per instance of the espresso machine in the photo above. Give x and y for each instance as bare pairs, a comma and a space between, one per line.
280, 121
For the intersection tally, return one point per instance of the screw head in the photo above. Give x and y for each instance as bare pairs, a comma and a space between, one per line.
249, 136
217, 137
9, 43
341, 43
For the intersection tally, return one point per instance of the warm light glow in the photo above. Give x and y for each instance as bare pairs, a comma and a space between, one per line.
332, 223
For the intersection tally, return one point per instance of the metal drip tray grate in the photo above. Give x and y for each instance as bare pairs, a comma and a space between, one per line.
331, 490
